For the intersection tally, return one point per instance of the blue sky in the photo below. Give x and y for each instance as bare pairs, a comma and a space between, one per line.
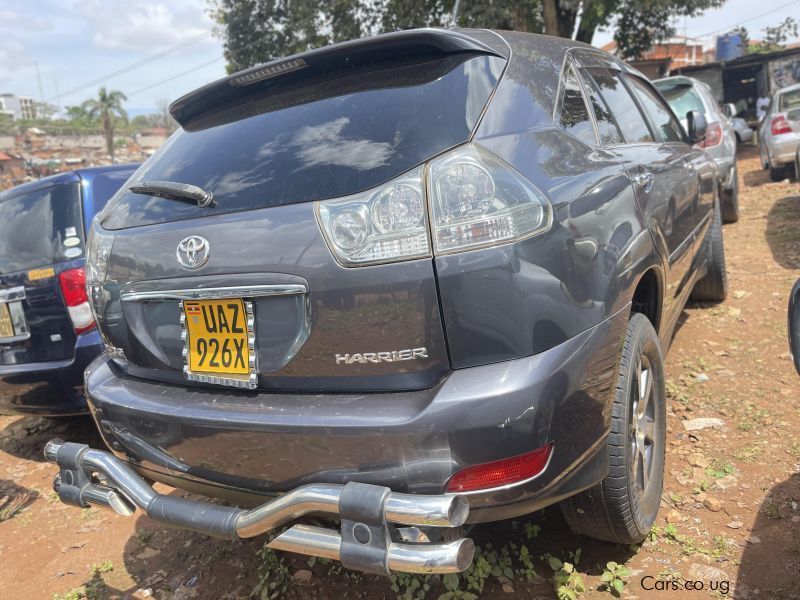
76, 42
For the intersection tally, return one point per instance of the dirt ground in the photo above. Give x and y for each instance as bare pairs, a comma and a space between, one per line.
730, 513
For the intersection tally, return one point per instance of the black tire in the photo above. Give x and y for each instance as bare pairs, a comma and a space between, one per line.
713, 287
777, 173
622, 508
763, 158
797, 165
730, 200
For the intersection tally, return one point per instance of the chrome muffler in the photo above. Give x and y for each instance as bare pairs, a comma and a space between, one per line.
368, 540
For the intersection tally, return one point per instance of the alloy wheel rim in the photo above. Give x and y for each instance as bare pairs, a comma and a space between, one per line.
643, 427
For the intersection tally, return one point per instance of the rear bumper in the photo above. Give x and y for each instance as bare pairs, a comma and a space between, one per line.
246, 446
369, 541
52, 388
782, 148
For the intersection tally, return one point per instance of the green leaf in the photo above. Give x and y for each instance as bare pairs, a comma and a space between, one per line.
555, 563
611, 566
607, 576
619, 585
568, 567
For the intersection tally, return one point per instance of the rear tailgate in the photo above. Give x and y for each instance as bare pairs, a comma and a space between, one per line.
41, 235
342, 125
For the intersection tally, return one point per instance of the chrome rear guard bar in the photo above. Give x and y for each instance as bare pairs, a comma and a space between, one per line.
368, 540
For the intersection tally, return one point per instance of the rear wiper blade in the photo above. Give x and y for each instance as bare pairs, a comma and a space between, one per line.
174, 191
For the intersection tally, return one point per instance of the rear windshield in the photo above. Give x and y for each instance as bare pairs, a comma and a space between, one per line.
317, 139
682, 98
40, 228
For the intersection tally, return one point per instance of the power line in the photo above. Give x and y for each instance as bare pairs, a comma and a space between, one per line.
193, 69
181, 74
135, 65
769, 12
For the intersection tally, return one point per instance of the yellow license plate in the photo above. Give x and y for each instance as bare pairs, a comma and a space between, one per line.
6, 326
216, 337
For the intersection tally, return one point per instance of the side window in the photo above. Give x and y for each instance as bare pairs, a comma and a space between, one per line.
606, 127
573, 114
621, 105
665, 123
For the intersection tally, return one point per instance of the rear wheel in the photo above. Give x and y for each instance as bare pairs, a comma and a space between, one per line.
730, 200
713, 287
623, 507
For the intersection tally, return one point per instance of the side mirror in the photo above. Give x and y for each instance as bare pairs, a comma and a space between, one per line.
794, 324
730, 110
697, 125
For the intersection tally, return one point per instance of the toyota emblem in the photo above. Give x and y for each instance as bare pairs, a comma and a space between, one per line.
193, 251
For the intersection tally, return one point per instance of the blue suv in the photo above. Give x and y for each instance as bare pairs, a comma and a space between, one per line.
47, 332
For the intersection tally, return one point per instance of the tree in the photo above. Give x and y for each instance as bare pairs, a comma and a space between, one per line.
775, 37
259, 30
108, 108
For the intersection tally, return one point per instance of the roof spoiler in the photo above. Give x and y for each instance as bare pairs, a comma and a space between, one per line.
401, 44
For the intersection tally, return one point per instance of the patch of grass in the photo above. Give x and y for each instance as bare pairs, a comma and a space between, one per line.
101, 568
718, 469
273, 575
613, 578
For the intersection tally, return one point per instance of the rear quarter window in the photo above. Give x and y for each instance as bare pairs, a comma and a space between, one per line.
309, 140
41, 228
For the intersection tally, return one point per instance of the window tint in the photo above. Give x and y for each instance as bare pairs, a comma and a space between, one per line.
331, 135
574, 116
667, 126
682, 98
622, 106
606, 127
40, 228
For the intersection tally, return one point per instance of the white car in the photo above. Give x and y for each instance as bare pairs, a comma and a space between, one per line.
744, 135
779, 132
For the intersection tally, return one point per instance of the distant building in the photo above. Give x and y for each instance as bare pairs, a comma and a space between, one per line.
17, 107
678, 51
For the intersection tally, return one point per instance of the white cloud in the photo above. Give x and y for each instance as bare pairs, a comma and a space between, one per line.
10, 19
143, 26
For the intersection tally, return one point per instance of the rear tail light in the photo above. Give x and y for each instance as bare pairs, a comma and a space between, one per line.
73, 288
477, 200
780, 125
386, 224
503, 472
713, 135
474, 200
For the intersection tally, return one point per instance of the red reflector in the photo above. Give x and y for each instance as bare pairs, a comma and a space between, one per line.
713, 135
780, 125
73, 286
501, 472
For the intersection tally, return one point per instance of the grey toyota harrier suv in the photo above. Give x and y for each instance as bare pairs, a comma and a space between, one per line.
412, 281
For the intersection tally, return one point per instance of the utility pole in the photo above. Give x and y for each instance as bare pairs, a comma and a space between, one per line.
39, 79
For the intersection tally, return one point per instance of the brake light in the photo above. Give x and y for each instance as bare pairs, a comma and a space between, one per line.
501, 472
780, 125
713, 135
73, 288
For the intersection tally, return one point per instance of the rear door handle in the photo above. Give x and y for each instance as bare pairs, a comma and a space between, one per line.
644, 179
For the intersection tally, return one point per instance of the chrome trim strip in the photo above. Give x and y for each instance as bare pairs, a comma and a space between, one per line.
244, 291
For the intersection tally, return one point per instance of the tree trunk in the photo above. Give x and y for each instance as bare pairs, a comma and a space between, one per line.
550, 16
108, 129
588, 24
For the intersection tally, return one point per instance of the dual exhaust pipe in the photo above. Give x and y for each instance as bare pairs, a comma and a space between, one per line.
369, 539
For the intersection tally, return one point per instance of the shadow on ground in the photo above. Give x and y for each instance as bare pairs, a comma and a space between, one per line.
25, 437
783, 232
772, 571
177, 564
